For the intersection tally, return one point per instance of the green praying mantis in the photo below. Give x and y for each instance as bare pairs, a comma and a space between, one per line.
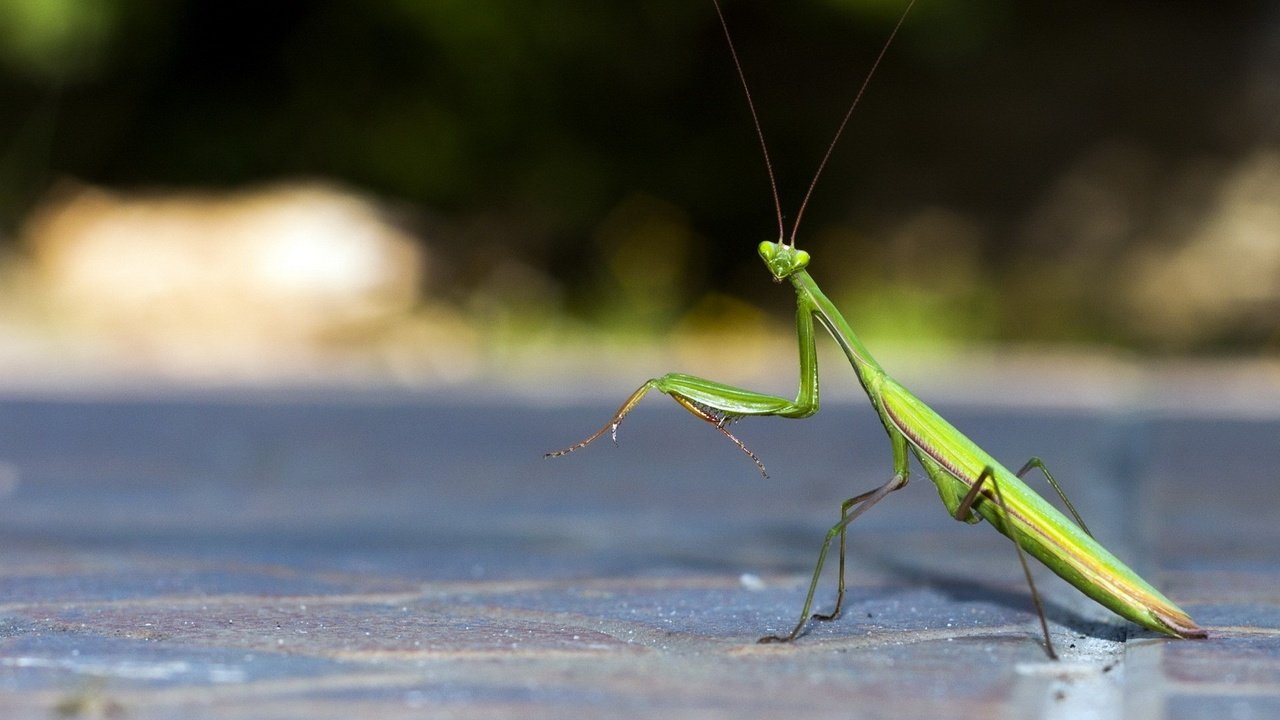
972, 484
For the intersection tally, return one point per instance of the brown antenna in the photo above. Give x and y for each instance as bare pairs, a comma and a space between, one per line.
764, 148
773, 183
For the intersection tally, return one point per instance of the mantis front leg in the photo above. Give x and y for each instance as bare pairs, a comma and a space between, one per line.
720, 404
692, 394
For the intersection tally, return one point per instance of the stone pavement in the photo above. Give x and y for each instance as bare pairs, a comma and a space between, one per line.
362, 556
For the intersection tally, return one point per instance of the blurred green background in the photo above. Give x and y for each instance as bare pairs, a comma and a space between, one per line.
543, 175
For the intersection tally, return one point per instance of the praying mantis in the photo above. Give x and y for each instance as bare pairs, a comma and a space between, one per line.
972, 484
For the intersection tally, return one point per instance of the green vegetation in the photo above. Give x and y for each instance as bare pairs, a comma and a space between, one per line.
1016, 174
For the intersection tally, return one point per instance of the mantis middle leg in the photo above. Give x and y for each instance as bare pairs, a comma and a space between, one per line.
858, 505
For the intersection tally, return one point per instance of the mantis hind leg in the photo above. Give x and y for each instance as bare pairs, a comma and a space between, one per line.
849, 511
1036, 462
963, 512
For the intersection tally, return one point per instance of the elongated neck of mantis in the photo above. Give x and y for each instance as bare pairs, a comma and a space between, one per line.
808, 292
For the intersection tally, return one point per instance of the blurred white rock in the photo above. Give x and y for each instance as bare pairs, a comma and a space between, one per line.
259, 282
291, 260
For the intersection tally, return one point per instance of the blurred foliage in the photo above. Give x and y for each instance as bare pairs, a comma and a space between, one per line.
54, 39
1012, 168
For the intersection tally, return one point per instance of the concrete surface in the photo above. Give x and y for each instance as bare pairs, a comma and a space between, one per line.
366, 556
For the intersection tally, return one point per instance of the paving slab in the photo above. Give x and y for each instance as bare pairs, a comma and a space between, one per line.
365, 555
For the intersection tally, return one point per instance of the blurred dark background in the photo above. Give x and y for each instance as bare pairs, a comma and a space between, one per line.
538, 172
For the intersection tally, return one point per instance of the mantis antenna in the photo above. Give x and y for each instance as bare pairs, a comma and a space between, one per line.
755, 118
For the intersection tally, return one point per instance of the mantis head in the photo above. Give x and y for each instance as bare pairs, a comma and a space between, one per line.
782, 260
